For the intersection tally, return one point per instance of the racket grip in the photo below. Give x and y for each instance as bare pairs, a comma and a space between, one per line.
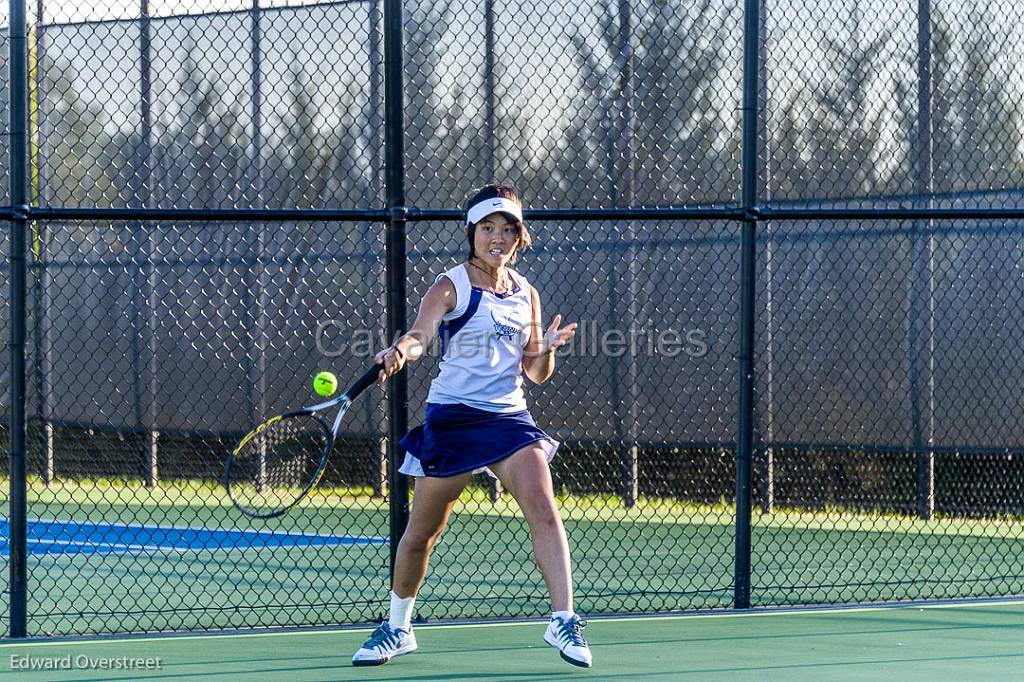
370, 377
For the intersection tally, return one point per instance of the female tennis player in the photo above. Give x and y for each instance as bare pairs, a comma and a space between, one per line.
476, 418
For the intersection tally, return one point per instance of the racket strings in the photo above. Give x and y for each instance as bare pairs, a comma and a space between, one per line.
273, 467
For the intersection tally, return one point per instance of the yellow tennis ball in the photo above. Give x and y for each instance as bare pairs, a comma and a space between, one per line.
325, 384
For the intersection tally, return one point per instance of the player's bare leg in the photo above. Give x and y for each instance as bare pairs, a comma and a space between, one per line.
526, 475
432, 505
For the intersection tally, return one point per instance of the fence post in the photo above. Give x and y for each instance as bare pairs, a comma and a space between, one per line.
764, 153
19, 159
41, 280
254, 296
745, 407
922, 255
490, 105
377, 412
626, 198
146, 396
490, 147
394, 144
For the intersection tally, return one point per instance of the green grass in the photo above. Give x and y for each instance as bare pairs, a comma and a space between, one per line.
661, 555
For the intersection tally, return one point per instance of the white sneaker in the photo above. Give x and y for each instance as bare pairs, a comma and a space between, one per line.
384, 644
566, 635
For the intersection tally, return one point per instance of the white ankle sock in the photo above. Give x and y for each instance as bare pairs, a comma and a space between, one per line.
564, 615
401, 611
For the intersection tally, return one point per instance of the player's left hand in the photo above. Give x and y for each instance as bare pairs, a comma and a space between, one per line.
556, 337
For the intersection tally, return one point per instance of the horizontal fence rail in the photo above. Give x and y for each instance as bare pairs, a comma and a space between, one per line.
413, 214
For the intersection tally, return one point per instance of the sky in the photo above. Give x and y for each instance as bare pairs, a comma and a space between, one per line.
63, 11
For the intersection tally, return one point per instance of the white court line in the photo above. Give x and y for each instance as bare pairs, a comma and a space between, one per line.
1012, 601
113, 546
107, 549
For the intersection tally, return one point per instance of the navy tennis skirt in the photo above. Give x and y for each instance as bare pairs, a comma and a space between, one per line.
454, 439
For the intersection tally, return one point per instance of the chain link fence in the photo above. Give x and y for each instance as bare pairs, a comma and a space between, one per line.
208, 189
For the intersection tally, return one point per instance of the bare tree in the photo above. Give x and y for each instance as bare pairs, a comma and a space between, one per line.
685, 148
830, 142
978, 112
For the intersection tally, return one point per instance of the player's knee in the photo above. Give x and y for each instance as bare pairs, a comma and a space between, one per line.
420, 539
541, 513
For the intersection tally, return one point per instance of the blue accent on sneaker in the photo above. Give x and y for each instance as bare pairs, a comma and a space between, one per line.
572, 630
566, 635
385, 643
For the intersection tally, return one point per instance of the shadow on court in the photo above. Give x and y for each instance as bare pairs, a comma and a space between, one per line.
934, 643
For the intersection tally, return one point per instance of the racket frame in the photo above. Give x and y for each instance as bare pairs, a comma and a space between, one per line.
343, 402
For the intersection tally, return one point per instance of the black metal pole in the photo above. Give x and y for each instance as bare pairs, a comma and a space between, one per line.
745, 408
256, 112
777, 211
394, 144
922, 271
149, 280
630, 455
490, 111
494, 488
257, 384
377, 409
18, 126
764, 153
42, 280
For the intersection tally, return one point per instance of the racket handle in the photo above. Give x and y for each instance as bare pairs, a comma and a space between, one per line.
370, 377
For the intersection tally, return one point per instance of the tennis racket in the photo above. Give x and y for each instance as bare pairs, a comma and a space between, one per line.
280, 461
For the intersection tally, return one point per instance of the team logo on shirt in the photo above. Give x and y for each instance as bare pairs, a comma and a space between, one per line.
502, 328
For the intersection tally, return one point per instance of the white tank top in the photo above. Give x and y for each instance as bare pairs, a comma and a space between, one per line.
482, 341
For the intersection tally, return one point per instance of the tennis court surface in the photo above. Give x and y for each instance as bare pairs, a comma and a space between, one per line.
964, 641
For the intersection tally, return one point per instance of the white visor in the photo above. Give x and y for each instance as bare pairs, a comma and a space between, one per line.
478, 212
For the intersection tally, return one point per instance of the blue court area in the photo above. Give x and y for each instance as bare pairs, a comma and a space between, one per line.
51, 537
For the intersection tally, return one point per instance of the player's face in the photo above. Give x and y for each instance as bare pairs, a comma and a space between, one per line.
496, 239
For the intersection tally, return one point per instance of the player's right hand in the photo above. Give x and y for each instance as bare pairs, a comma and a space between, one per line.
393, 360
